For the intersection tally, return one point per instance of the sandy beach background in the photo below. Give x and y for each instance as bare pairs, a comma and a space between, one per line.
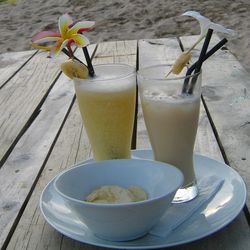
124, 19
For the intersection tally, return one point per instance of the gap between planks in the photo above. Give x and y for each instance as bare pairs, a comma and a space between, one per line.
47, 230
28, 123
18, 69
33, 185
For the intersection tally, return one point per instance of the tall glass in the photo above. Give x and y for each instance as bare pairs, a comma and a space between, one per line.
107, 106
171, 113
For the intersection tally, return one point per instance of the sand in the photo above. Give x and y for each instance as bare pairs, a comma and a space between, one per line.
124, 19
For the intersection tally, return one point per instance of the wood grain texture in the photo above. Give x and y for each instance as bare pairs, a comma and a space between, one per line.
116, 52
22, 97
158, 51
72, 146
11, 62
21, 169
32, 231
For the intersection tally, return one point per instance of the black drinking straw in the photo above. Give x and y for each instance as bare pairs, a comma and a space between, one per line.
88, 60
209, 53
200, 60
68, 54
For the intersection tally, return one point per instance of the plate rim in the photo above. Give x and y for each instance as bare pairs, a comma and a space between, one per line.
111, 244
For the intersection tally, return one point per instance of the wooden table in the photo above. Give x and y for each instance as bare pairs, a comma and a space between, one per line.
41, 134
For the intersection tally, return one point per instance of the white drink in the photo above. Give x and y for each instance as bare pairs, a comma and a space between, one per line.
171, 123
171, 107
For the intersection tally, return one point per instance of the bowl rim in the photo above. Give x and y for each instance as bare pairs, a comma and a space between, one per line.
179, 181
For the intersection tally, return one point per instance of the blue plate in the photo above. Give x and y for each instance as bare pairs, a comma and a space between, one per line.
216, 214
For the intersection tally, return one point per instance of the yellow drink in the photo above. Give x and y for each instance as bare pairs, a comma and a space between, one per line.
107, 108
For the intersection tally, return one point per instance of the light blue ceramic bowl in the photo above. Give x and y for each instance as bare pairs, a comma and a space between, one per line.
120, 222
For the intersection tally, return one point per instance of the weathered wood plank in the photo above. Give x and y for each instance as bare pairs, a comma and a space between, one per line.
11, 62
116, 49
32, 232
226, 88
158, 51
116, 52
236, 235
22, 167
21, 97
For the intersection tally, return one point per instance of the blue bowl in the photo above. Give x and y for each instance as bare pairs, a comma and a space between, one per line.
126, 221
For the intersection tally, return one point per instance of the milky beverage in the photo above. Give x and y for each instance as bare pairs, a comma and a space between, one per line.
171, 119
107, 110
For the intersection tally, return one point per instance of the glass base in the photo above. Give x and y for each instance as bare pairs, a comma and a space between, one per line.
186, 193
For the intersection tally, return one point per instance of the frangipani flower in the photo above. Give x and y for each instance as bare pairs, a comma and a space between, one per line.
205, 24
68, 34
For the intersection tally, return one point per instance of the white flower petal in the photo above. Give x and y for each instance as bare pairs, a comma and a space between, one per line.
196, 15
221, 29
206, 24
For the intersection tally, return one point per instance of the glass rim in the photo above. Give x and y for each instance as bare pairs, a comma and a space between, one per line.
140, 71
130, 72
